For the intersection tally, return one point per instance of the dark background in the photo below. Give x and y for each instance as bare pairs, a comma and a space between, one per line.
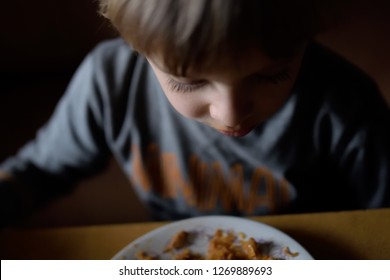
42, 43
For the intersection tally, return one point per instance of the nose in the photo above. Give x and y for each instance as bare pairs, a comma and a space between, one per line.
231, 107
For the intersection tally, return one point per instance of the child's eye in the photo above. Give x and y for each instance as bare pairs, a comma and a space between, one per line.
185, 87
277, 78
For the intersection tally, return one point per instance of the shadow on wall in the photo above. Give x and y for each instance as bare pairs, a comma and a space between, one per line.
45, 41
363, 37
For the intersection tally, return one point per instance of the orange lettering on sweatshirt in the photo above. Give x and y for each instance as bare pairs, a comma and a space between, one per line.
207, 185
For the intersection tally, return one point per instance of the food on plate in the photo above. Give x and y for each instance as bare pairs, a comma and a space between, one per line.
222, 245
229, 246
142, 255
178, 241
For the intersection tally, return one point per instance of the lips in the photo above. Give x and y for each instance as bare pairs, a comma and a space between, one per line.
240, 132
236, 133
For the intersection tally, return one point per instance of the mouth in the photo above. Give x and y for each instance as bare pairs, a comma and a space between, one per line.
236, 133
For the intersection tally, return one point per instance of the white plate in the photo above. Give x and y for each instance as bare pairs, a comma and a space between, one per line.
155, 241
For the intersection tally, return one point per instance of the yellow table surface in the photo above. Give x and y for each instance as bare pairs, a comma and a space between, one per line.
334, 235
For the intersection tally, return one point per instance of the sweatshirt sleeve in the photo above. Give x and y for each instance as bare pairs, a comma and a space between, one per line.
364, 154
358, 138
349, 120
70, 146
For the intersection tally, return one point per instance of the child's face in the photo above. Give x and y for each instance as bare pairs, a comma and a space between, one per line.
233, 99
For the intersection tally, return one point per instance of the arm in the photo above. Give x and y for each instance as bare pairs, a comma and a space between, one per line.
350, 120
364, 154
355, 134
69, 147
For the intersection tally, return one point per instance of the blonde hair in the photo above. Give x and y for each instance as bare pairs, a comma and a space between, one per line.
197, 33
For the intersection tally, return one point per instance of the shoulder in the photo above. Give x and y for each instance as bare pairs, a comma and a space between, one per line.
115, 55
337, 84
113, 66
341, 103
331, 72
111, 47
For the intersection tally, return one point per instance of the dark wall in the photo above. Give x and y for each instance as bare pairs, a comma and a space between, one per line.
363, 37
41, 44
48, 34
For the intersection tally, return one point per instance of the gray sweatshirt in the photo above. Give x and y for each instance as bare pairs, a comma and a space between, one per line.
326, 149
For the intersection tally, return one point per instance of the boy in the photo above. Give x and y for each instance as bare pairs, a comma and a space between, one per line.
213, 107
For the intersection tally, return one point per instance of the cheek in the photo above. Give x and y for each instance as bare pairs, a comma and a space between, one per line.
190, 105
277, 95
272, 99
